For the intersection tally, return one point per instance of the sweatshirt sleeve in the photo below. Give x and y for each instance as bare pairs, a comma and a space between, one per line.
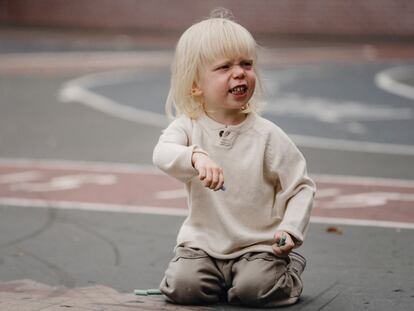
173, 152
294, 189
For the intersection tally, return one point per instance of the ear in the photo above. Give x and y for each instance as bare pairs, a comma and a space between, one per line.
196, 90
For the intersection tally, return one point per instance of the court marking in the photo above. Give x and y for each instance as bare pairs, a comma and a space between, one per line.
389, 80
153, 210
77, 91
63, 62
97, 207
150, 169
103, 168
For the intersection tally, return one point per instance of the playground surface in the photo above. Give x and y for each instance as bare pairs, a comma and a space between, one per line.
85, 218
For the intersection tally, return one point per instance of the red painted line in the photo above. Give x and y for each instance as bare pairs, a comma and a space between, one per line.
130, 187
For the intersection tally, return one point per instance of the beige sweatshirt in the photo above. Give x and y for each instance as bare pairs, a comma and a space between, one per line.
266, 184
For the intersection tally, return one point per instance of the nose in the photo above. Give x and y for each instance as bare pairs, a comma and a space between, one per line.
238, 72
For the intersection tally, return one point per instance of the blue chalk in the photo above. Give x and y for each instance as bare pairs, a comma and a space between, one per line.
282, 240
147, 292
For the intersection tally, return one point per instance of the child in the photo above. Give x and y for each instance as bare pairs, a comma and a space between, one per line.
246, 182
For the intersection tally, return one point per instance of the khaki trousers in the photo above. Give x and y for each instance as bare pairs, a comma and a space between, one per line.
254, 279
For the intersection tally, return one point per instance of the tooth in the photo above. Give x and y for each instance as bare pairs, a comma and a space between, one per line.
239, 89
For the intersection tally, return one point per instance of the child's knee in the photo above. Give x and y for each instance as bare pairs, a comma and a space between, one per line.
191, 289
243, 293
250, 291
264, 280
266, 293
183, 289
191, 278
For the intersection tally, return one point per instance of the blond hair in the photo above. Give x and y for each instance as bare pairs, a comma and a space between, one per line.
200, 45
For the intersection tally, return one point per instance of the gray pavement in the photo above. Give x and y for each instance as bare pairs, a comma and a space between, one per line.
357, 269
36, 125
102, 255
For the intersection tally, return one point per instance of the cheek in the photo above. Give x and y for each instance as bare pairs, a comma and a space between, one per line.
220, 84
253, 84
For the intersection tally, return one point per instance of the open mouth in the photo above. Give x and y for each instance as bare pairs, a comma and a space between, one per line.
238, 90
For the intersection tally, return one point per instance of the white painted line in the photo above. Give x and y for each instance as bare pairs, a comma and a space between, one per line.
153, 210
361, 222
351, 145
67, 182
390, 80
327, 193
171, 194
81, 165
334, 110
97, 207
367, 199
20, 177
108, 78
77, 90
363, 181
73, 93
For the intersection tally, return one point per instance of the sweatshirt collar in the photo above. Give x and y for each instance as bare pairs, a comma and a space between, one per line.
213, 125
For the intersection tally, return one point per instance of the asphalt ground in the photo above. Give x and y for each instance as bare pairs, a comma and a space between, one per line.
82, 252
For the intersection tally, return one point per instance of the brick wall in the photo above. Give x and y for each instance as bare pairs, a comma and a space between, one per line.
297, 17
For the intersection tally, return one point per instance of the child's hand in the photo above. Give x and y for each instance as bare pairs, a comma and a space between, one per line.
208, 171
283, 250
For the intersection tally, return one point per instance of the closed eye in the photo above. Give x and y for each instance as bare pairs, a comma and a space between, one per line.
246, 64
223, 67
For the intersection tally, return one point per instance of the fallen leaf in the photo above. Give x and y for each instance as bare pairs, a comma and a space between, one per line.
334, 230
